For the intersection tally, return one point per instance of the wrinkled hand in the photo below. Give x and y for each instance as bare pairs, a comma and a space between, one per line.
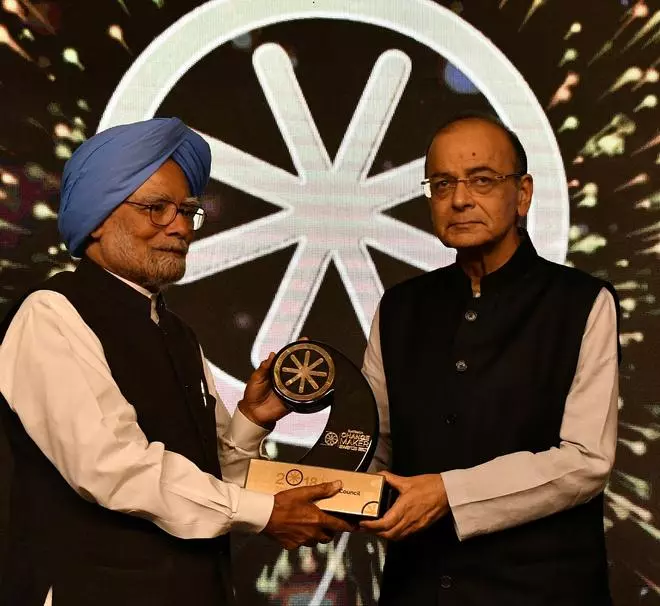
296, 521
259, 403
422, 500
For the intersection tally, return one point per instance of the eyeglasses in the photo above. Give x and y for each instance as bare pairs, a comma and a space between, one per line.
441, 187
163, 212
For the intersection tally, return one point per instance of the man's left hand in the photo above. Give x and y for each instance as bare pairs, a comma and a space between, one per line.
259, 403
422, 500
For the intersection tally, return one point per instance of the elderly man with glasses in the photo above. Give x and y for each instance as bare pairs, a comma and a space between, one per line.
127, 467
496, 380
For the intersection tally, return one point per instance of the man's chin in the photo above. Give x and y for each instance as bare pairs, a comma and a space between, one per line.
465, 239
168, 274
175, 275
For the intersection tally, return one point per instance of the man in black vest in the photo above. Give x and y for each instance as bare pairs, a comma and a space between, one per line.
119, 441
497, 384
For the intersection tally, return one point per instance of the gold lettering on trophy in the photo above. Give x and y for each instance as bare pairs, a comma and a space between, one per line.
354, 439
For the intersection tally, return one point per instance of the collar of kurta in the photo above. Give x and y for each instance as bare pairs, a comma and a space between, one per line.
513, 270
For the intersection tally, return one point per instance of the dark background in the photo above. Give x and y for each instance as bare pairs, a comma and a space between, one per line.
222, 97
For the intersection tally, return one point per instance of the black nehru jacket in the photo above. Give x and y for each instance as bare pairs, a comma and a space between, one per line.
88, 554
468, 380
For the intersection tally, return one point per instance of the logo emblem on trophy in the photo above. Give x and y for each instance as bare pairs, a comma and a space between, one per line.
303, 375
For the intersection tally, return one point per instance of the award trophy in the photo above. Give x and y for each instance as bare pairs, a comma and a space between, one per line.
309, 376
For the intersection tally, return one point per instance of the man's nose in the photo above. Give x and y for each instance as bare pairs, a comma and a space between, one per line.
180, 227
461, 197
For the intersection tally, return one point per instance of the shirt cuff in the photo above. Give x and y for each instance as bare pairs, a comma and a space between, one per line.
457, 496
245, 434
254, 510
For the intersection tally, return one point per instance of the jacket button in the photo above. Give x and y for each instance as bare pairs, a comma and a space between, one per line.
461, 366
470, 315
445, 581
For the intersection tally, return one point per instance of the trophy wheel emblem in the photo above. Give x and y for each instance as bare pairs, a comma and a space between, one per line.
331, 438
294, 477
303, 374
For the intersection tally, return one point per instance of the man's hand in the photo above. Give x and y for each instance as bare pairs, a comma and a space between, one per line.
422, 500
296, 521
259, 403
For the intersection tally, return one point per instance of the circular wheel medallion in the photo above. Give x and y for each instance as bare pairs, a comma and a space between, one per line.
331, 438
303, 372
294, 477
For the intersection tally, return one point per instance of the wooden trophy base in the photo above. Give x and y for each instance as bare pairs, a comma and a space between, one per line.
363, 495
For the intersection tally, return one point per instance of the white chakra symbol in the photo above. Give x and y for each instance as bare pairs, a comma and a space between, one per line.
331, 209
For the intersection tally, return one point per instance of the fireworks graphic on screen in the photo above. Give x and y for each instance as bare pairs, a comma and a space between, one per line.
596, 77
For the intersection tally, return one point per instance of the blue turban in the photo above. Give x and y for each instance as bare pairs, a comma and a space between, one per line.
108, 167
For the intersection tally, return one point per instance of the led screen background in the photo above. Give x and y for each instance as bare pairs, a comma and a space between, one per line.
592, 66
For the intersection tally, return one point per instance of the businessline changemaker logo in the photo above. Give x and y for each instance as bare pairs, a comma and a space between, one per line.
330, 209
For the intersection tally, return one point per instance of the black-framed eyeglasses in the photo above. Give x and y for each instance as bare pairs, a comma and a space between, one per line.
163, 212
481, 185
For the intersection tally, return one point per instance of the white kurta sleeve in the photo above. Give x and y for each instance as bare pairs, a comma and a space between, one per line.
372, 369
55, 377
239, 439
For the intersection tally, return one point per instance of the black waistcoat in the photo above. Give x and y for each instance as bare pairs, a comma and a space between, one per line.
91, 555
470, 379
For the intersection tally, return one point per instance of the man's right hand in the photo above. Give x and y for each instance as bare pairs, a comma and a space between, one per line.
296, 521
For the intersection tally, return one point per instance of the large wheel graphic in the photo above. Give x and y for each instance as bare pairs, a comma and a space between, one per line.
362, 223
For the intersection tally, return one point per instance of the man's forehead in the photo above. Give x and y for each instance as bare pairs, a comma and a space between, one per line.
472, 130
169, 179
472, 138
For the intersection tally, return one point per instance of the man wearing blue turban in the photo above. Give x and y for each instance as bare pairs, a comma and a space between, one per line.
127, 466
108, 168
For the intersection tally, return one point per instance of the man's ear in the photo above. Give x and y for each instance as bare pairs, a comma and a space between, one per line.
525, 191
99, 230
95, 236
